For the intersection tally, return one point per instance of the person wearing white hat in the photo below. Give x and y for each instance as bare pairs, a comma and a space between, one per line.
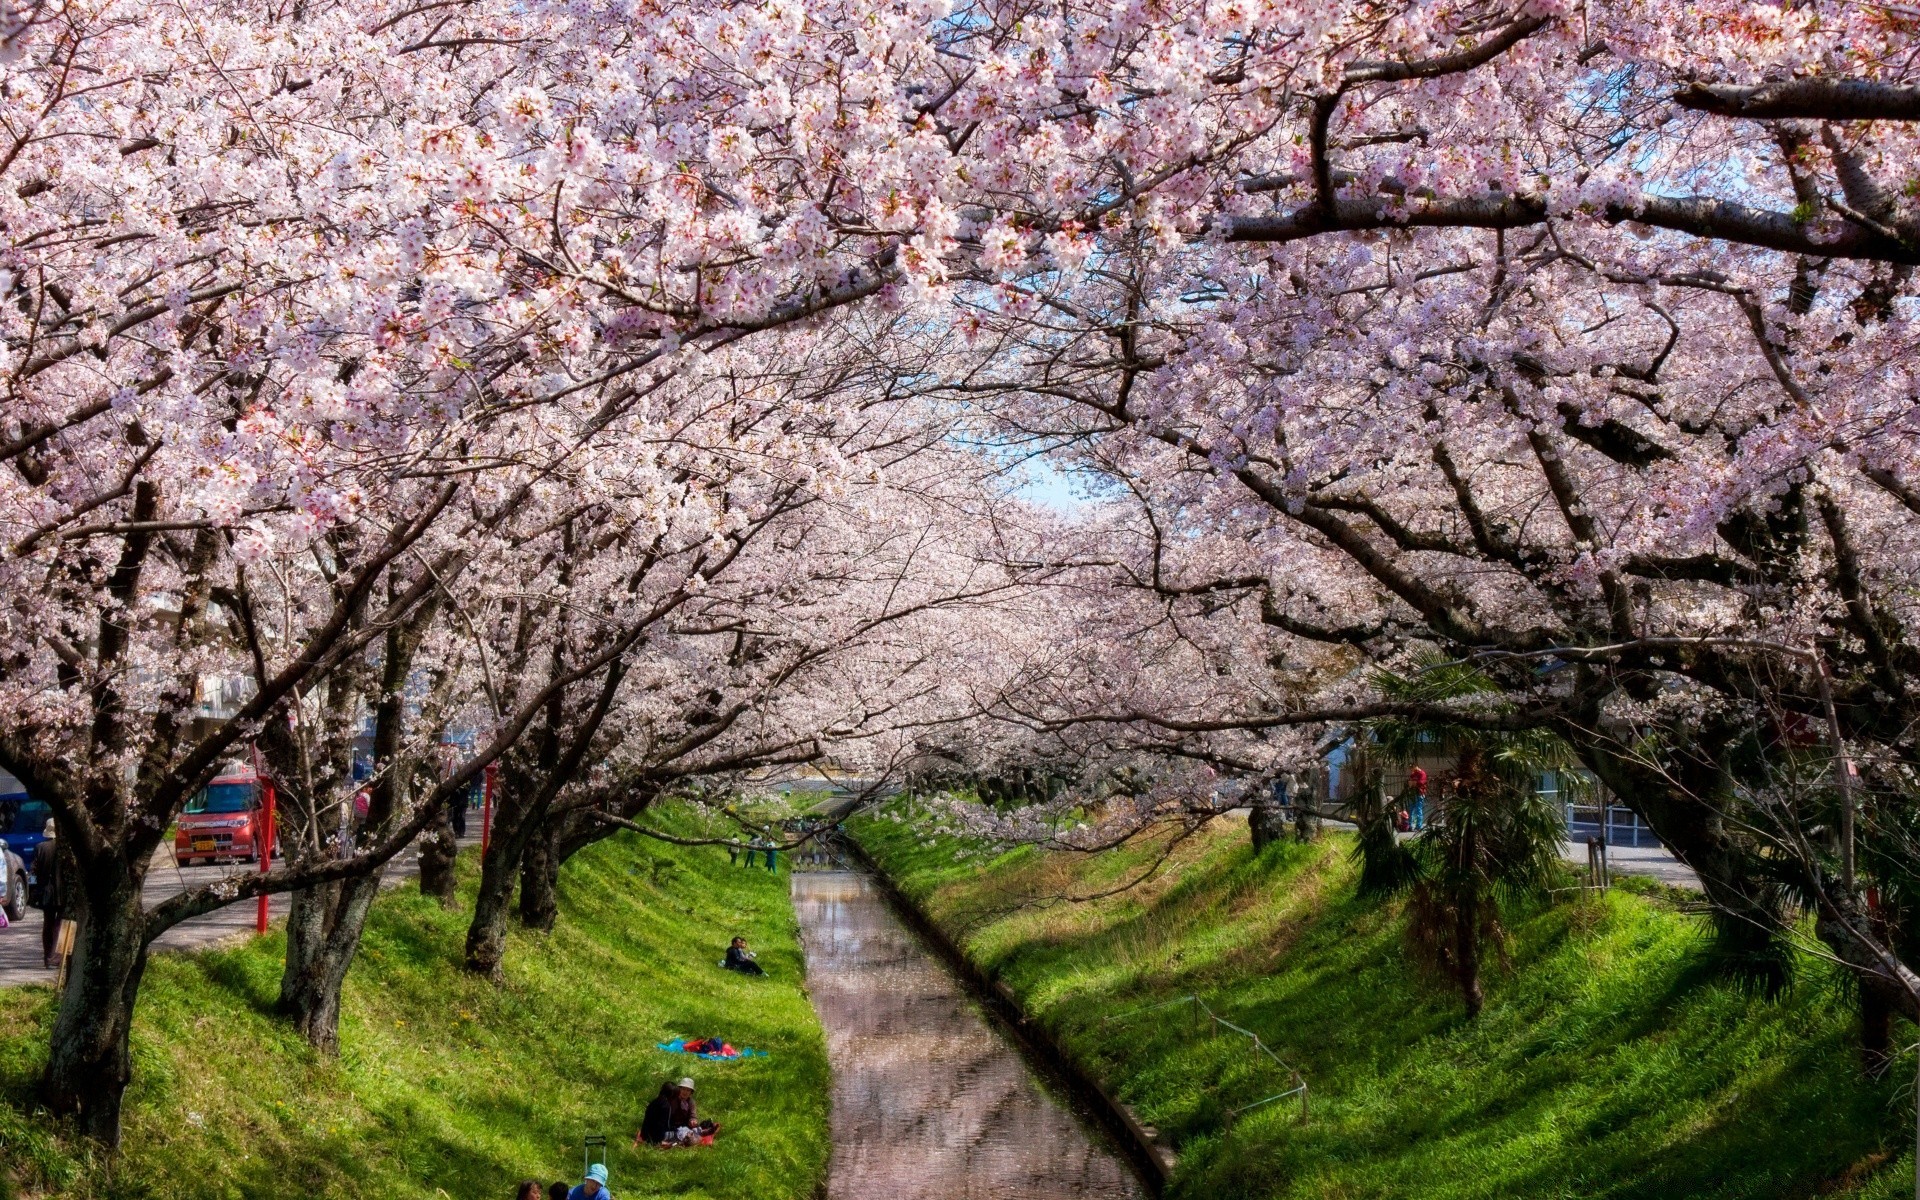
671, 1119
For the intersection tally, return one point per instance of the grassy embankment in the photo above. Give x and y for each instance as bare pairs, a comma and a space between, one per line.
1609, 1063
451, 1086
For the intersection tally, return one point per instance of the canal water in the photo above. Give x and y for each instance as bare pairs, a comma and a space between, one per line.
929, 1101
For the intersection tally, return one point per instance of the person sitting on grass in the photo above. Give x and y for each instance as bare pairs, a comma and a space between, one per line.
594, 1186
741, 959
671, 1120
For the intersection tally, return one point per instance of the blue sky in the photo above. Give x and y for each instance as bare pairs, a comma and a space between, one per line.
1041, 482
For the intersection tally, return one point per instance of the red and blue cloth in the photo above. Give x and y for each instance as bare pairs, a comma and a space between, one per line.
712, 1048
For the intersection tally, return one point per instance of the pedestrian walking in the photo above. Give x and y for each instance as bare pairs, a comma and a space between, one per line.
1417, 807
47, 893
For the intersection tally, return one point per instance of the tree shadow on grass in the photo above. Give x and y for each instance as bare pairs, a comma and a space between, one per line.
1616, 1048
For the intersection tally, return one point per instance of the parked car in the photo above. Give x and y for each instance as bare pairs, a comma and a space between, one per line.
224, 822
15, 888
23, 823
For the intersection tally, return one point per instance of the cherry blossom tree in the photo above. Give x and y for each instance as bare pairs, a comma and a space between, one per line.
435, 364
1552, 337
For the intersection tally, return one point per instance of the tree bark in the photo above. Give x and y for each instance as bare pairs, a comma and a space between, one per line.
1679, 802
539, 875
1306, 810
487, 933
519, 820
1267, 820
307, 914
437, 850
1467, 951
89, 1066
310, 986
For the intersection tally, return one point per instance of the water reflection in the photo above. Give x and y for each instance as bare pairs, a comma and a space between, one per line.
928, 1102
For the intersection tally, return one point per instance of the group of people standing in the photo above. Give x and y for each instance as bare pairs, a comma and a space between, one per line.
756, 846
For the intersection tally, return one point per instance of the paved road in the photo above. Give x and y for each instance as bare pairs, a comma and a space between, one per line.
20, 944
1654, 861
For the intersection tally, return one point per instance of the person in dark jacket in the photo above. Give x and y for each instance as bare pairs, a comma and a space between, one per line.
656, 1122
48, 885
671, 1118
740, 959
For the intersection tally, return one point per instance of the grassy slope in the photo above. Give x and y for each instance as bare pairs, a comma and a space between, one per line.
1608, 1064
452, 1086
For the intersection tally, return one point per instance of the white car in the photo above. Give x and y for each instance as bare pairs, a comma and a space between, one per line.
15, 889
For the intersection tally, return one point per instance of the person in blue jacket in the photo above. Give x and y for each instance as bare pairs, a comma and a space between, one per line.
594, 1186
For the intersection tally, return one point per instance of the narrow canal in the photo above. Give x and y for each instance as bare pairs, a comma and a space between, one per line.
929, 1101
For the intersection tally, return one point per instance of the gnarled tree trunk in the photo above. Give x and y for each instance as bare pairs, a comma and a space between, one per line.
487, 933
437, 850
1267, 819
1679, 802
1306, 813
539, 875
513, 824
311, 984
88, 1066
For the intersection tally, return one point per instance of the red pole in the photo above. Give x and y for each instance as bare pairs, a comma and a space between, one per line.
486, 808
264, 844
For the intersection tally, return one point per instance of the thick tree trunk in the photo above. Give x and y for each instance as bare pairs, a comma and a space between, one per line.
310, 989
499, 867
1267, 820
437, 850
1306, 810
88, 1066
539, 873
307, 918
1467, 953
1680, 803
487, 933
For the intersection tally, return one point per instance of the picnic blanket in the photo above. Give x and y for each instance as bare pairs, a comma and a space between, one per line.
725, 1053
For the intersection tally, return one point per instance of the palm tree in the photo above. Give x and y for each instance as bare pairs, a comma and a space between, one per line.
1494, 836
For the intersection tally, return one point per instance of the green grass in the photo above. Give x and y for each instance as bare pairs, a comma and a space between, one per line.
451, 1086
1609, 1062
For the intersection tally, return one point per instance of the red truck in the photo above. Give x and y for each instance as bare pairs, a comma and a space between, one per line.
224, 822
